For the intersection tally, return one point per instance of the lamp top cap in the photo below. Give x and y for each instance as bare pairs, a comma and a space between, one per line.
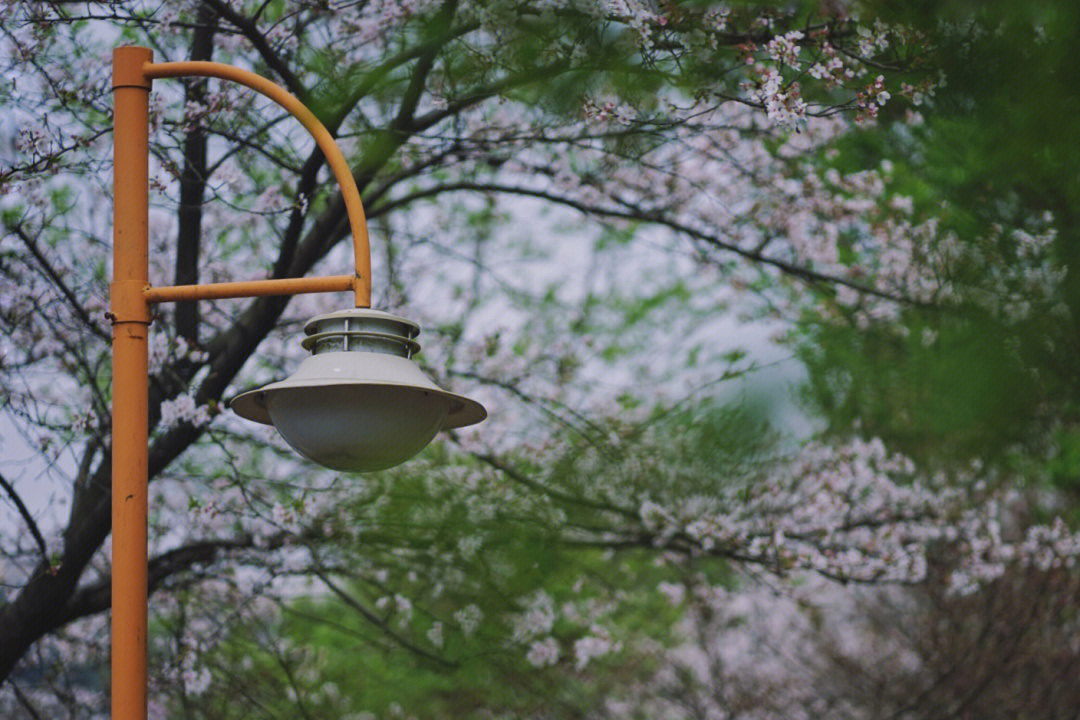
361, 317
128, 66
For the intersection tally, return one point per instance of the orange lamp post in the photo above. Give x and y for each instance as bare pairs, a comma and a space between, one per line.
375, 360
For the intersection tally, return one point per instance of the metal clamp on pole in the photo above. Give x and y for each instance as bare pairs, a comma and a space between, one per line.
127, 302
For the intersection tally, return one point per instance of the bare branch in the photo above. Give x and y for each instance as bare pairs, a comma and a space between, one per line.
373, 618
518, 476
97, 597
26, 516
193, 186
54, 276
24, 701
251, 31
754, 255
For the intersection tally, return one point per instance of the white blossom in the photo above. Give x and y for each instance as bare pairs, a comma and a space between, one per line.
195, 678
468, 619
435, 634
674, 592
785, 48
590, 647
183, 409
543, 653
537, 618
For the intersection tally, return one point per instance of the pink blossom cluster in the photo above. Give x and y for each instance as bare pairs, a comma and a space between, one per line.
183, 409
831, 68
784, 49
871, 98
607, 111
783, 103
532, 630
854, 513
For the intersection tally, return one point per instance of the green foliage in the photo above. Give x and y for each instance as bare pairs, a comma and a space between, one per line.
997, 149
947, 392
352, 651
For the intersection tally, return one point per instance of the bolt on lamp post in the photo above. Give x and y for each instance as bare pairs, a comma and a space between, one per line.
358, 403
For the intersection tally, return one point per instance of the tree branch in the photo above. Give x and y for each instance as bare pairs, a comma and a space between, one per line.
415, 90
193, 185
24, 701
374, 619
372, 78
54, 276
514, 474
26, 516
251, 31
755, 255
96, 598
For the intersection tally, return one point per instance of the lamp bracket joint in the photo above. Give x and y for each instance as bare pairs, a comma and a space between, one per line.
127, 302
129, 67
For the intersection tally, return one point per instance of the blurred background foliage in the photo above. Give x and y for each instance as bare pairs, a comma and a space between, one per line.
363, 648
997, 150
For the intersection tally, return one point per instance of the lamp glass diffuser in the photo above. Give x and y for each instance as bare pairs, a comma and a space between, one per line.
359, 403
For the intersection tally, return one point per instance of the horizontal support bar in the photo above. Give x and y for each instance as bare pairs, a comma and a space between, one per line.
252, 288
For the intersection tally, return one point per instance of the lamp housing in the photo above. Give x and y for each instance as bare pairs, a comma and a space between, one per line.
358, 403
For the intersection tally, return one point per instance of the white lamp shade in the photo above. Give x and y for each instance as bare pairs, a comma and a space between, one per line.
359, 403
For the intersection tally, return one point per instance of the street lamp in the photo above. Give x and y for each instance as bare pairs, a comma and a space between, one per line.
358, 403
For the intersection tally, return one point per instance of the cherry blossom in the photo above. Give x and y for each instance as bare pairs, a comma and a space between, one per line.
468, 618
784, 49
543, 652
537, 618
183, 410
592, 646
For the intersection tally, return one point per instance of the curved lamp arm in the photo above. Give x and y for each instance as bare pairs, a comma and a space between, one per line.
338, 165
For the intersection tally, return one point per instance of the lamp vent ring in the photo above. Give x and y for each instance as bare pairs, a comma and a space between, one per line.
360, 341
361, 330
